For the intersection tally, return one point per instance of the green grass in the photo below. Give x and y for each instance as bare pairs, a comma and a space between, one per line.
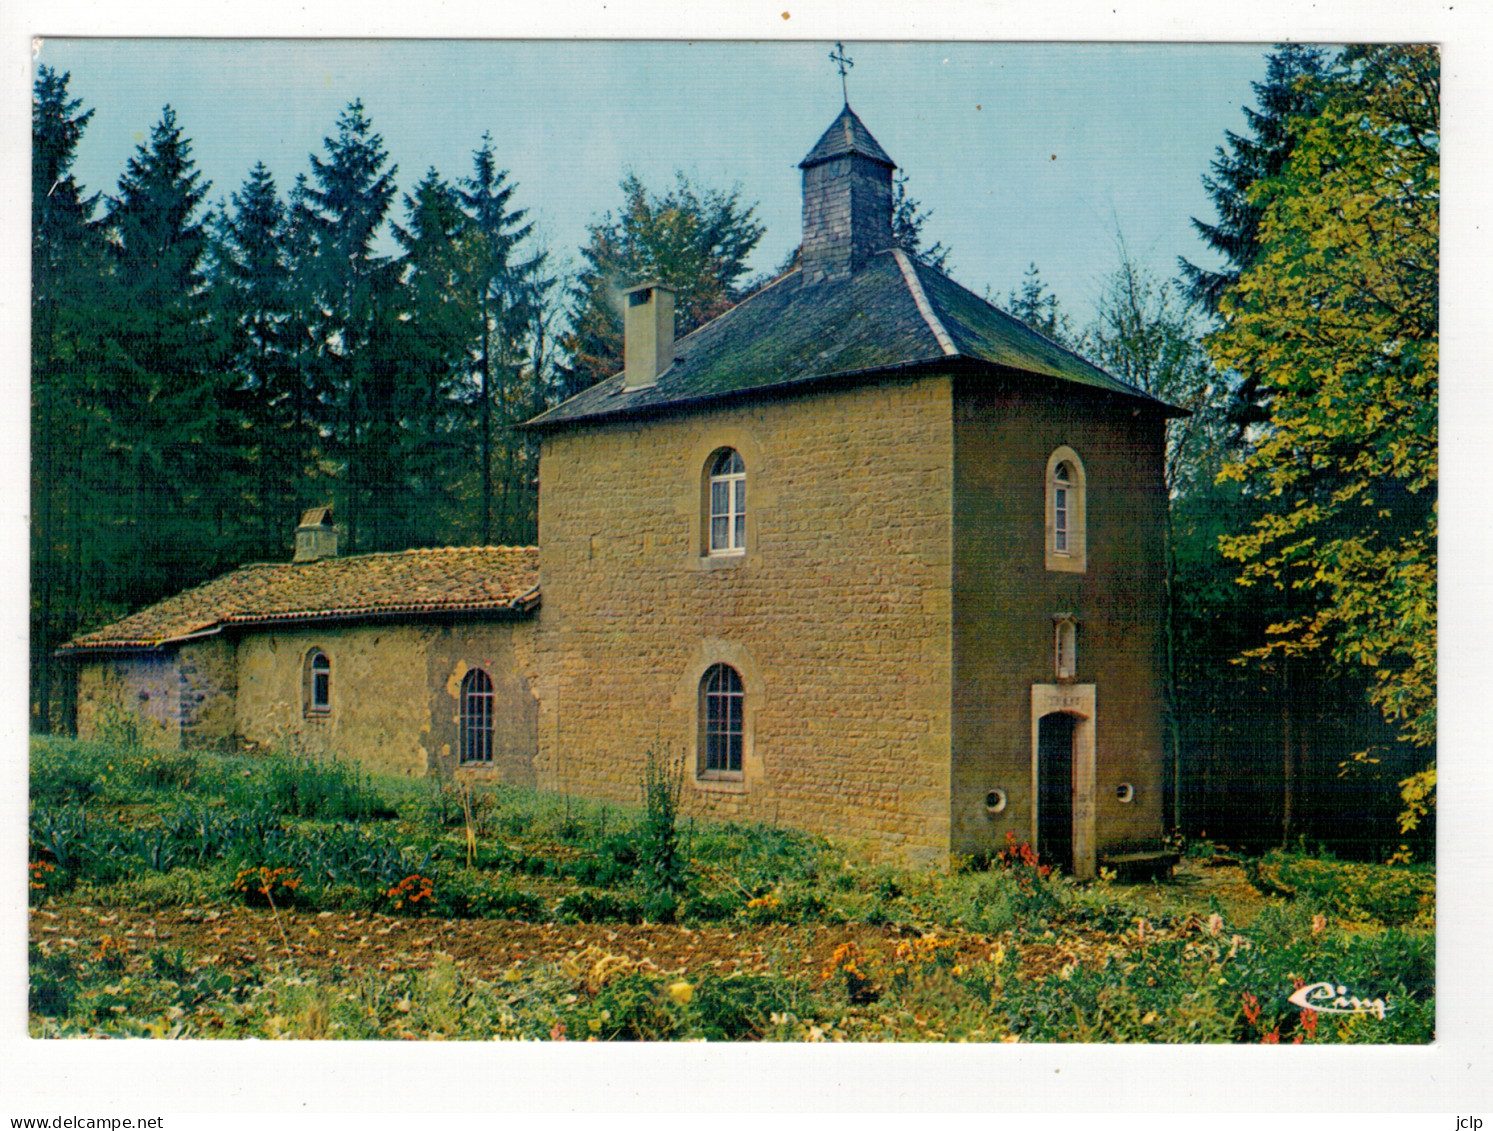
1001, 953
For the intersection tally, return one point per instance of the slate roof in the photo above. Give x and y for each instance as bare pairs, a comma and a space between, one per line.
500, 580
886, 316
846, 134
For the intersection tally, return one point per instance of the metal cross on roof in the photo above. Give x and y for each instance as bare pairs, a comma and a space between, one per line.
845, 62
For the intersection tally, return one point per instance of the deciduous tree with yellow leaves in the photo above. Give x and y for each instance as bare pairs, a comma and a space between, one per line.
1337, 316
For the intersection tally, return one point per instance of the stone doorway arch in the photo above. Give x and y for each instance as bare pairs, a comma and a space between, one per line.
1074, 704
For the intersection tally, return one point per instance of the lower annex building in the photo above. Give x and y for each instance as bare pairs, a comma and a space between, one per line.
875, 558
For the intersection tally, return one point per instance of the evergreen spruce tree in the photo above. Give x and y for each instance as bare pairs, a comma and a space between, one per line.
66, 265
434, 331
1264, 153
509, 288
254, 294
348, 290
908, 220
1039, 309
164, 394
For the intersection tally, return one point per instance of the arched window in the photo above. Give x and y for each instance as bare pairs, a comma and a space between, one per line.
317, 683
1066, 535
476, 717
1065, 645
722, 703
727, 503
1062, 484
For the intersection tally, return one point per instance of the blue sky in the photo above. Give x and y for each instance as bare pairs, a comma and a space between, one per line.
1023, 152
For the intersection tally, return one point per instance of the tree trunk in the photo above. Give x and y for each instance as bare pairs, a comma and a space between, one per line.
1170, 629
486, 427
1288, 767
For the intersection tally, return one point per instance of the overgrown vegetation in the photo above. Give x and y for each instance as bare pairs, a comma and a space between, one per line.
510, 913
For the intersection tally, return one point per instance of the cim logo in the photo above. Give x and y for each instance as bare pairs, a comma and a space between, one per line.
1325, 997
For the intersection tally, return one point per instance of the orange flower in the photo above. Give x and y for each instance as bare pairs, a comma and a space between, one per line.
1251, 1008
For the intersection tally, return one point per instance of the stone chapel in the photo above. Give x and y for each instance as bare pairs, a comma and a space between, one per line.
872, 556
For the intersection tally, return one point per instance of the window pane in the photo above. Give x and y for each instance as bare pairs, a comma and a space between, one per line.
739, 542
720, 496
718, 533
741, 496
733, 760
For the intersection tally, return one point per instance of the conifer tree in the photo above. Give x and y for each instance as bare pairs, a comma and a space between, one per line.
346, 288
1039, 309
66, 265
509, 288
254, 293
164, 393
434, 345
1248, 159
908, 219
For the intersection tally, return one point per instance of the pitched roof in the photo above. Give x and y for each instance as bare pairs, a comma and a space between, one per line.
846, 134
893, 313
490, 579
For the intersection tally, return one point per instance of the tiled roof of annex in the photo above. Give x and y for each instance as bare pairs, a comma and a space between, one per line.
496, 580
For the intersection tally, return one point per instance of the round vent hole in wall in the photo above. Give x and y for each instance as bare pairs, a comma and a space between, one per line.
1125, 792
995, 801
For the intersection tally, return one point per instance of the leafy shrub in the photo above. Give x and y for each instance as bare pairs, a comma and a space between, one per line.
53, 983
41, 879
184, 886
739, 1007
614, 862
158, 770
63, 772
115, 727
466, 896
709, 907
664, 863
299, 785
80, 847
632, 1007
599, 907
1374, 892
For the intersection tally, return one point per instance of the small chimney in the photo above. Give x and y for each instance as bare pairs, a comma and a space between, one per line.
648, 335
315, 537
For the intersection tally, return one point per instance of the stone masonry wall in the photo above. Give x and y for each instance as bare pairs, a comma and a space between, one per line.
837, 616
140, 691
1004, 598
208, 675
394, 694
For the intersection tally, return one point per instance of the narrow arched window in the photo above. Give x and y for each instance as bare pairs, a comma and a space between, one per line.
1066, 548
1065, 645
727, 488
1062, 484
476, 717
317, 683
722, 713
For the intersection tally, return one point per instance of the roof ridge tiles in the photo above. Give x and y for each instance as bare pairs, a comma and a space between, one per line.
947, 278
